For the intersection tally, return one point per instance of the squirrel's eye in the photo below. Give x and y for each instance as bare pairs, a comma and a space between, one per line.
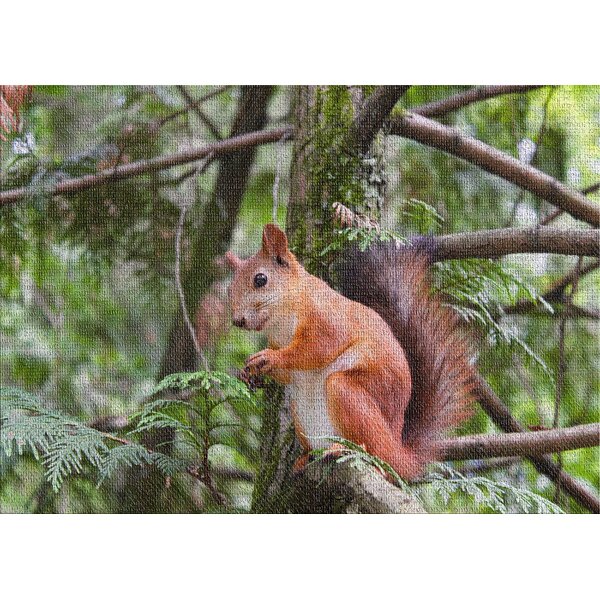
260, 279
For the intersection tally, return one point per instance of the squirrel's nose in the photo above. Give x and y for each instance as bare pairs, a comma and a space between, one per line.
240, 322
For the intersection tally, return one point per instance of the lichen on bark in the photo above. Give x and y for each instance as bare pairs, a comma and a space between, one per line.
326, 168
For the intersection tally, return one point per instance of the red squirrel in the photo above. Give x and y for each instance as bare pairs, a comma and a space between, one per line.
384, 365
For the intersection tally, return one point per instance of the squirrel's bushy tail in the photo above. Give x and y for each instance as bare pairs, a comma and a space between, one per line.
394, 281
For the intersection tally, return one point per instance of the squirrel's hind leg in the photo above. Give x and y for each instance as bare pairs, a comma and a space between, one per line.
356, 416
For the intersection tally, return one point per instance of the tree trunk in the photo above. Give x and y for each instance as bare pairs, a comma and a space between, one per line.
327, 167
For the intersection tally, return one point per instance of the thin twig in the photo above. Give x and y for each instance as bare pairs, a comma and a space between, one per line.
195, 106
180, 292
276, 180
532, 309
557, 290
551, 217
179, 285
202, 99
476, 94
555, 293
227, 146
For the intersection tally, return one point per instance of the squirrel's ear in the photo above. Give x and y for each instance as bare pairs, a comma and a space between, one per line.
275, 243
233, 261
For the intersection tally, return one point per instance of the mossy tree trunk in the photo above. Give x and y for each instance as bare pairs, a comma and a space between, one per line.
332, 163
327, 167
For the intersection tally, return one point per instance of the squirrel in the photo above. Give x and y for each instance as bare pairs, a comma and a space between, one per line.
382, 364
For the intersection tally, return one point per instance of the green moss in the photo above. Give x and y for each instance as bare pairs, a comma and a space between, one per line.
398, 112
368, 89
333, 173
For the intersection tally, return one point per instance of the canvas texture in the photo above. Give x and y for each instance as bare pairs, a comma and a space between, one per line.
299, 299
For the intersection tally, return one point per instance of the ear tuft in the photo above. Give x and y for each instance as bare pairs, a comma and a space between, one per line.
275, 243
235, 262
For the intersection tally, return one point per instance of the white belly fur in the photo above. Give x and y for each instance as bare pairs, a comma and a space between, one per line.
307, 393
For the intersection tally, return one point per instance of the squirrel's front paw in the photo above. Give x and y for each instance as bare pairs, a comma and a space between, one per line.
254, 382
262, 362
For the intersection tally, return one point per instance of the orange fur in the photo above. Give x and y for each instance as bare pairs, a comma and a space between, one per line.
345, 370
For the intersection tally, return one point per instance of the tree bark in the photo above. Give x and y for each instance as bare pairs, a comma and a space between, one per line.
527, 443
350, 487
500, 242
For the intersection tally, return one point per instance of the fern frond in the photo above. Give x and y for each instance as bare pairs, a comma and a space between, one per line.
36, 433
421, 216
127, 455
159, 420
169, 465
495, 495
66, 455
160, 404
231, 388
16, 399
135, 455
66, 446
63, 445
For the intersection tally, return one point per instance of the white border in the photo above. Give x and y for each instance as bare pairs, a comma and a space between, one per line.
312, 41
298, 556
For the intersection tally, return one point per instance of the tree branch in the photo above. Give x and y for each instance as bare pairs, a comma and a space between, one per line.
527, 307
198, 102
195, 106
499, 242
373, 115
348, 487
221, 148
555, 293
496, 162
556, 213
475, 94
500, 415
530, 443
495, 242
